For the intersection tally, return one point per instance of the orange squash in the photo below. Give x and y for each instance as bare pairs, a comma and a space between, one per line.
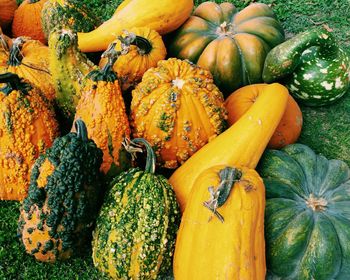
29, 59
7, 12
177, 109
221, 235
289, 128
163, 16
27, 128
102, 109
27, 20
240, 145
141, 48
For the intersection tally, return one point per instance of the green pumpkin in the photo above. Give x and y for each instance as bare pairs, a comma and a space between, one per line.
136, 229
314, 68
307, 217
64, 196
72, 14
231, 44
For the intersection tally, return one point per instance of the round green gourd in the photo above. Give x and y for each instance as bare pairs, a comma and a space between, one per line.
314, 68
307, 217
136, 229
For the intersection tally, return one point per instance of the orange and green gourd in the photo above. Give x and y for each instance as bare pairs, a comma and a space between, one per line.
221, 234
141, 48
57, 217
29, 59
231, 44
240, 145
72, 14
178, 109
27, 128
136, 229
27, 20
102, 109
68, 67
289, 128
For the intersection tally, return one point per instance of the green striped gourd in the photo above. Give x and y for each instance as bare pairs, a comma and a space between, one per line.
307, 217
314, 68
136, 228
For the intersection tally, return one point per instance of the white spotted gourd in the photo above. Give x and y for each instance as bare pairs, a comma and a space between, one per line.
313, 67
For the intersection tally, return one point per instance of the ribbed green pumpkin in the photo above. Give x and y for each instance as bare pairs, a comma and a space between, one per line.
136, 228
314, 68
307, 217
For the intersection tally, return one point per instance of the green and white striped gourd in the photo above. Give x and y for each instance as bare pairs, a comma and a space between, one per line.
314, 68
136, 229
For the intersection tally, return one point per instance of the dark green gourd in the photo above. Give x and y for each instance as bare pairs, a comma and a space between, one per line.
136, 228
313, 67
64, 196
307, 217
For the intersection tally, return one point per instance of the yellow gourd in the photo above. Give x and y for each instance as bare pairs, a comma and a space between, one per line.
240, 145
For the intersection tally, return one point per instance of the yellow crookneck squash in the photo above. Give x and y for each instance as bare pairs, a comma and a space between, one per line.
163, 16
102, 109
240, 145
221, 235
141, 48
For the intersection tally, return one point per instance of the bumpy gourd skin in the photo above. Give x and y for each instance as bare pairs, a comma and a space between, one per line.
56, 218
27, 128
178, 109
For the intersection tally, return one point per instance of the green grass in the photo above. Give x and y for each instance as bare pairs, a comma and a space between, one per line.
326, 130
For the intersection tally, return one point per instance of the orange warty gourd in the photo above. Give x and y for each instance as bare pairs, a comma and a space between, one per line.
27, 128
29, 59
240, 145
102, 109
177, 109
289, 128
162, 16
7, 12
221, 235
141, 48
27, 20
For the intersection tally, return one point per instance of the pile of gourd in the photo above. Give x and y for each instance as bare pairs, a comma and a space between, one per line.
198, 106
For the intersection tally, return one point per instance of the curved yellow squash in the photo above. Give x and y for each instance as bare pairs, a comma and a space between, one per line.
163, 16
240, 145
234, 248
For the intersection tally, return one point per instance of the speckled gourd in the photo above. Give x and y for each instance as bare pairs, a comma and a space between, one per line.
307, 217
27, 128
57, 217
177, 108
102, 109
136, 229
68, 67
312, 65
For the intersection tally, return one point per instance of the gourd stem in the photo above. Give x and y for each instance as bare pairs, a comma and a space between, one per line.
151, 157
80, 127
112, 55
33, 1
13, 82
144, 46
15, 58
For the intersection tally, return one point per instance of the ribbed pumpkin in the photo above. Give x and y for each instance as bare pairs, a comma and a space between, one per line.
27, 20
136, 229
289, 128
240, 145
221, 235
307, 224
231, 44
141, 49
72, 14
29, 59
68, 67
178, 109
58, 215
314, 67
102, 108
27, 128
7, 12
